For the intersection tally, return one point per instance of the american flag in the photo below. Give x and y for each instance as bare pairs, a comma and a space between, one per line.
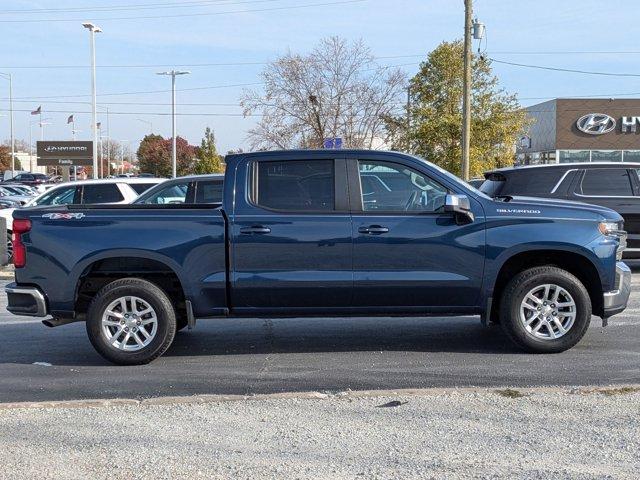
37, 111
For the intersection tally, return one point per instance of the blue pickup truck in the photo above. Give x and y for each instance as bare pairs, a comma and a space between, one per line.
321, 233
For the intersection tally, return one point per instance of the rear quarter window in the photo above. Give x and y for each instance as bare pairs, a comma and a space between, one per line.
141, 187
534, 181
606, 182
105, 193
209, 192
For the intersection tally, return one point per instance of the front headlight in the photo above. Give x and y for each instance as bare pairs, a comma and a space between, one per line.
615, 229
609, 228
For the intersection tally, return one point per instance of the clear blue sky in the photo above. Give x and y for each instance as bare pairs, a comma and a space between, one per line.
390, 28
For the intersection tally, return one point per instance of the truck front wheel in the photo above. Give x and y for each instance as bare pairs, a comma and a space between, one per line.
545, 310
131, 321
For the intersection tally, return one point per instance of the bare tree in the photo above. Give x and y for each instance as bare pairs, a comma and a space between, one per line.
335, 91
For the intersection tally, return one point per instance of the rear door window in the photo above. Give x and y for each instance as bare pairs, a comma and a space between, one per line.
606, 182
296, 186
101, 193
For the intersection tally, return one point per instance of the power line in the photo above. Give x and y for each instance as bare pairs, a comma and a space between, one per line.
182, 89
37, 98
186, 114
574, 52
140, 6
567, 70
182, 15
183, 65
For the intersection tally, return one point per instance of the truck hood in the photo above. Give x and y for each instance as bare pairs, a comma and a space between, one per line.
580, 208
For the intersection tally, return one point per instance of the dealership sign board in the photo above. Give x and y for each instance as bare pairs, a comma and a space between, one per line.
601, 123
63, 153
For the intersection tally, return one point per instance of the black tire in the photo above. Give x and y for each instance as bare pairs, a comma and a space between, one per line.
514, 293
151, 294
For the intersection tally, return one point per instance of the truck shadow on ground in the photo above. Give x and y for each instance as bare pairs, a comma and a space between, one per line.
68, 345
314, 335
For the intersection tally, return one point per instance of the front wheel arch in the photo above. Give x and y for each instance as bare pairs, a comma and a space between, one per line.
574, 263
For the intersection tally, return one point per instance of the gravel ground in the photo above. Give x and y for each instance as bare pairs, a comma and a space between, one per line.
452, 434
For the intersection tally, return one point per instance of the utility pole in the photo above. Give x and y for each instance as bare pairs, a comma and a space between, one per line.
94, 115
466, 98
13, 143
173, 74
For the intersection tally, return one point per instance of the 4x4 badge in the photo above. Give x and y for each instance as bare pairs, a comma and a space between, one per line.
63, 216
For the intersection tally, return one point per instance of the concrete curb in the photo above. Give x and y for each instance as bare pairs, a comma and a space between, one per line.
507, 392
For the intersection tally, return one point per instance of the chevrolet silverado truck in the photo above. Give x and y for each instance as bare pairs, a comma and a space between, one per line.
321, 233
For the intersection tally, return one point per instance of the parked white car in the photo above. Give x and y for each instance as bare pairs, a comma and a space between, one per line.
86, 192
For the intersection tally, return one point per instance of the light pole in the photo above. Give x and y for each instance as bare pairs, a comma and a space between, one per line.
148, 123
173, 74
94, 116
7, 76
31, 124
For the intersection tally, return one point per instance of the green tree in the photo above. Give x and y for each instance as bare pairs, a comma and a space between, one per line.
434, 129
154, 156
208, 160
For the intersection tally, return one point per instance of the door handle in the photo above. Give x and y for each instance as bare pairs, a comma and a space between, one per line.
255, 229
373, 230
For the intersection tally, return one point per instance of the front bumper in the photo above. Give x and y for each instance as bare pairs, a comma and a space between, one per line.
29, 301
616, 300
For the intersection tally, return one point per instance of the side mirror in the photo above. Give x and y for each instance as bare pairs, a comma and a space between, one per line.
460, 206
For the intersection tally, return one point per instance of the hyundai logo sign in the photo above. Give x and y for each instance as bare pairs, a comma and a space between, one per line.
596, 123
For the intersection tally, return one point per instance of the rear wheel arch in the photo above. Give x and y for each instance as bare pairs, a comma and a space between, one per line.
107, 269
578, 265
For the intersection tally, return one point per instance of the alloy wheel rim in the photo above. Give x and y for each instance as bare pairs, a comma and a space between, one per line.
547, 312
129, 323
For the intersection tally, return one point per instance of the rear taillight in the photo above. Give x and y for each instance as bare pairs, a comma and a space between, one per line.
20, 226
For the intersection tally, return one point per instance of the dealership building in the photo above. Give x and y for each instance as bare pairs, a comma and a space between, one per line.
581, 130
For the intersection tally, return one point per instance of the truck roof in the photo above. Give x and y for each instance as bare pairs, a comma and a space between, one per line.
317, 152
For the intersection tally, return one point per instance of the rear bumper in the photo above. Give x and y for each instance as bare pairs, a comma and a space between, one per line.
29, 301
616, 300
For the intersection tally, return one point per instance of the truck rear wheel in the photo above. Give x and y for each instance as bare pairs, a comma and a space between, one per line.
545, 310
131, 321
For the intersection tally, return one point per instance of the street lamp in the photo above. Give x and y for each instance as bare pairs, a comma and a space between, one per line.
94, 116
148, 123
41, 123
7, 76
173, 74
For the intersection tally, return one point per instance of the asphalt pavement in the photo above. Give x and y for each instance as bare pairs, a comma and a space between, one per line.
250, 356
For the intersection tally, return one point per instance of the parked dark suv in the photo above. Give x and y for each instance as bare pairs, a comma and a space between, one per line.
612, 184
